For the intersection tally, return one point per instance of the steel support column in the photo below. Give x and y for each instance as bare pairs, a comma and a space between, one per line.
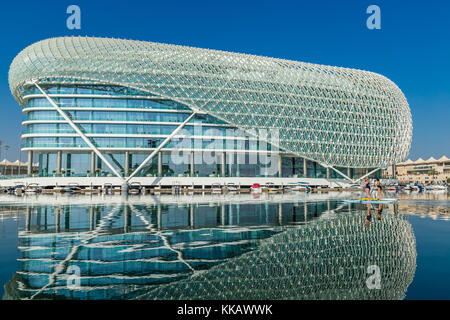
93, 163
127, 164
223, 165
280, 165
58, 162
160, 164
191, 163
30, 163
305, 168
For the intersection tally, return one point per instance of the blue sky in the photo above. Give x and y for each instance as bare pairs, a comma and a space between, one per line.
412, 48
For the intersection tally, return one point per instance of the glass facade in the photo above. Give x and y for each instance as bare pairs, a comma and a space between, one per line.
128, 96
337, 116
205, 147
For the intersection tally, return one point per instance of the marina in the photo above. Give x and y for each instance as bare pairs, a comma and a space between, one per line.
196, 185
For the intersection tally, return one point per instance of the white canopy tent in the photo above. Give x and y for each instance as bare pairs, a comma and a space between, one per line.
14, 168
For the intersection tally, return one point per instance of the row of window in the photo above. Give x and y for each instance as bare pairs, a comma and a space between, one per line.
120, 116
176, 143
100, 128
109, 116
106, 103
86, 89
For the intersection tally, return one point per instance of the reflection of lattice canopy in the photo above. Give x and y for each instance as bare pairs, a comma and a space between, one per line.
326, 259
337, 116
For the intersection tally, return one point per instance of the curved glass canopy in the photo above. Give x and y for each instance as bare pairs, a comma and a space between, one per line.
335, 116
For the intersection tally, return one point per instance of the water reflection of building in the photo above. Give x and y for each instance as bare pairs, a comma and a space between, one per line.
435, 204
326, 259
210, 251
185, 199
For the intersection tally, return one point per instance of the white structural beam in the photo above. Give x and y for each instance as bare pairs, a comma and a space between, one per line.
61, 267
161, 145
347, 177
181, 126
150, 226
340, 173
77, 130
368, 174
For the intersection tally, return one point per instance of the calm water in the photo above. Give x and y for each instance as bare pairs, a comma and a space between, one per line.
286, 246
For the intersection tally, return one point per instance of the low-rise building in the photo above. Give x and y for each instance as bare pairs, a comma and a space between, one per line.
9, 168
422, 171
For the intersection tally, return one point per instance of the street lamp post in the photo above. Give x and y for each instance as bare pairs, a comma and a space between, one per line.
6, 155
6, 151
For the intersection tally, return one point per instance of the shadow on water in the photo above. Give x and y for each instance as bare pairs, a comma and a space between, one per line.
197, 247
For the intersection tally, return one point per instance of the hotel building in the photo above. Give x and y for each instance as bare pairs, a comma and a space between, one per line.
423, 171
105, 107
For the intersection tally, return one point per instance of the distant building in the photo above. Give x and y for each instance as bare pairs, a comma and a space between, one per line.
8, 168
423, 171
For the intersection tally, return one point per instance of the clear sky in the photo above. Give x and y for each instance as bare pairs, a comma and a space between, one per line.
412, 48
